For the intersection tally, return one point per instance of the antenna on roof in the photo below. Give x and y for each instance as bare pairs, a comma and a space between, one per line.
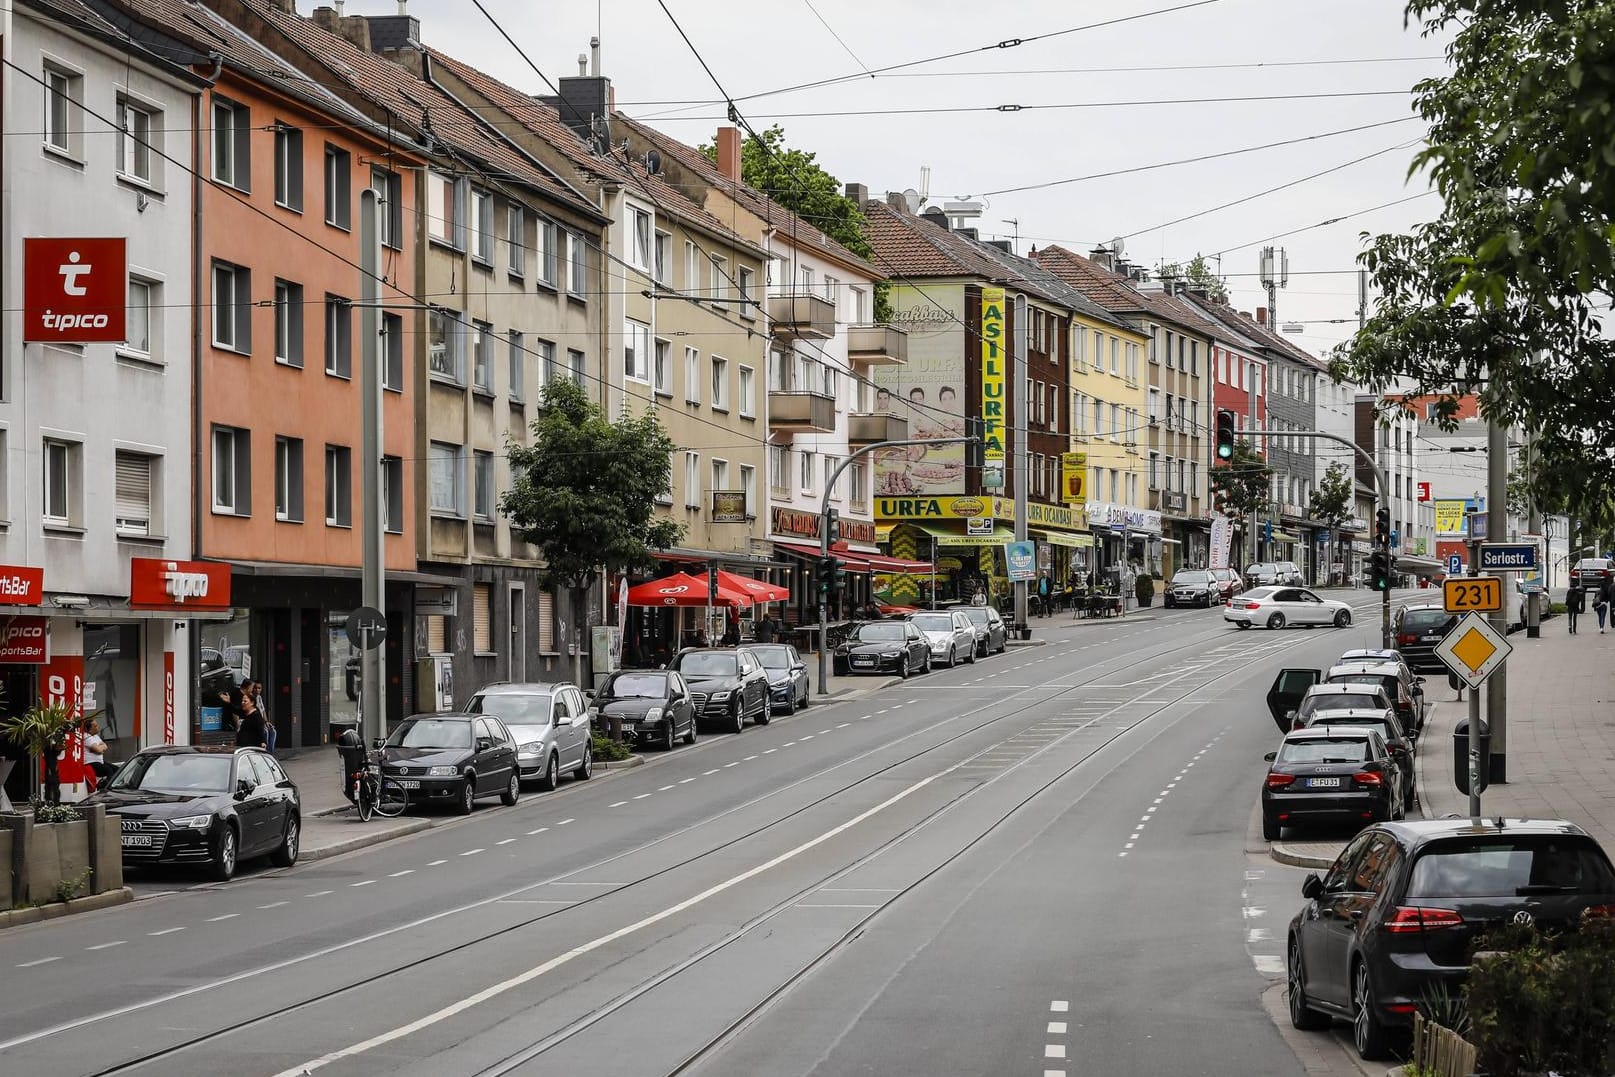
653, 162
925, 186
1117, 247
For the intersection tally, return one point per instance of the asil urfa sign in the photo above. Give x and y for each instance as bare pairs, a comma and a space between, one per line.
994, 402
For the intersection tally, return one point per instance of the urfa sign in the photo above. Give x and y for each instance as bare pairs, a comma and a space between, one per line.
159, 584
74, 290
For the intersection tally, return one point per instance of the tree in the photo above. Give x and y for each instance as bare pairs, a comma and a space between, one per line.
42, 731
1243, 484
1199, 274
1334, 502
585, 494
794, 179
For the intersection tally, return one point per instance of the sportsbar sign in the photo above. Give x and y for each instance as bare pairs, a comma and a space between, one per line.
75, 291
22, 640
159, 584
21, 585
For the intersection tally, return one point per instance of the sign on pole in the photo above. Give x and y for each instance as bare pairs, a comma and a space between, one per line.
1477, 593
1021, 560
1455, 565
1473, 649
1507, 557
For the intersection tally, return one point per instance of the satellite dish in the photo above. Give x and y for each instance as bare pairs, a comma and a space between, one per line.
911, 198
1117, 247
653, 162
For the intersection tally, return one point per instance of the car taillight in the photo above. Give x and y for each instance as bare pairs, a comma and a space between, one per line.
1279, 781
1405, 919
1371, 778
1600, 911
1252, 605
1405, 638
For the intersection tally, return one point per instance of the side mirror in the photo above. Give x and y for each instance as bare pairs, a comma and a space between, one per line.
1290, 715
588, 693
1311, 886
244, 789
377, 743
1270, 756
484, 744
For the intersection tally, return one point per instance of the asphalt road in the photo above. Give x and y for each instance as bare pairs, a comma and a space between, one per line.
1034, 864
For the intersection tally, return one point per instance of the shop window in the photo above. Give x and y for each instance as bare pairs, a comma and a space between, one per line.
112, 684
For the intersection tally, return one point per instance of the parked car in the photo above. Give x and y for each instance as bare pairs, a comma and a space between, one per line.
1395, 919
1275, 607
549, 721
1228, 583
1336, 774
1417, 629
457, 758
1405, 690
182, 805
1296, 693
787, 675
877, 646
727, 685
992, 637
1398, 741
653, 705
949, 633
1192, 587
1273, 574
1588, 572
1375, 654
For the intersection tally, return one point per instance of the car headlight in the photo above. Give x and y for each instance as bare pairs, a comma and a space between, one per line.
191, 822
890, 654
530, 748
718, 697
653, 715
442, 772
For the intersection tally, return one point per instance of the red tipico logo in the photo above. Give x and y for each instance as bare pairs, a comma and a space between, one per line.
75, 291
158, 583
22, 640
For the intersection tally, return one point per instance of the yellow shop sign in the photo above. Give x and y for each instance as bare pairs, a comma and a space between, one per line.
932, 508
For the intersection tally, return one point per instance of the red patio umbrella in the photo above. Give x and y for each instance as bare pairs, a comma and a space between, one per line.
682, 589
759, 590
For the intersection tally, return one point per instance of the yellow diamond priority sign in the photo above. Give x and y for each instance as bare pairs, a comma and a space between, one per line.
1473, 649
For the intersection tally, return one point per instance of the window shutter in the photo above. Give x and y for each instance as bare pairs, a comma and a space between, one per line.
133, 493
482, 618
546, 622
434, 634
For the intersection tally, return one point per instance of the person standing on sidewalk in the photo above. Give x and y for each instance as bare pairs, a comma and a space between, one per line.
1601, 603
1575, 605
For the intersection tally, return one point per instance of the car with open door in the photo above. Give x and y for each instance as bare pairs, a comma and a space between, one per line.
1300, 691
1278, 607
1289, 688
1404, 689
1397, 740
1334, 774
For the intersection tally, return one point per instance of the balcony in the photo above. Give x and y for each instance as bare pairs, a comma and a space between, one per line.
877, 345
868, 429
802, 317
809, 413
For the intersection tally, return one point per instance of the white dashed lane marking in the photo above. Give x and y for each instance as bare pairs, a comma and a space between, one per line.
165, 931
41, 961
106, 945
226, 916
367, 882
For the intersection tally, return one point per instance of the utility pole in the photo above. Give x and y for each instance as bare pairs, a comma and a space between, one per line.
1256, 516
372, 660
1533, 607
1019, 407
1497, 531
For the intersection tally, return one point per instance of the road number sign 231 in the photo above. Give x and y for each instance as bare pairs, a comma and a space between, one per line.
1473, 593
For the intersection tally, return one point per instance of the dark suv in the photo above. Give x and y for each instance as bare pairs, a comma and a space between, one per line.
1397, 916
1416, 630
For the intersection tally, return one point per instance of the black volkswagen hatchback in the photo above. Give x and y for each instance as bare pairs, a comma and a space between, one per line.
1399, 913
181, 805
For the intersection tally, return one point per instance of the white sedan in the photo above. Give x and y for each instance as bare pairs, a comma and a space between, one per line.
1275, 607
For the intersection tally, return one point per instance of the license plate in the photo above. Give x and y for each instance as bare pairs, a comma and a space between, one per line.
143, 840
408, 783
863, 661
1432, 639
1323, 783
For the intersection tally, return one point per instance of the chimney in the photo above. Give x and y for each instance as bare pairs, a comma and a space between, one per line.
584, 99
968, 233
1200, 293
895, 200
389, 33
1001, 244
858, 193
1103, 257
353, 28
729, 153
1261, 315
287, 7
935, 216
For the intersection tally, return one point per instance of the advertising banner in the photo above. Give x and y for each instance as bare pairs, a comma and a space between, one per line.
1074, 478
1021, 559
61, 681
22, 640
994, 401
1450, 517
928, 391
728, 506
1222, 538
74, 290
168, 697
159, 584
21, 585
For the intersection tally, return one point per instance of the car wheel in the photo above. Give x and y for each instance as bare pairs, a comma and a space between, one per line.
689, 738
1003, 646
670, 737
926, 667
1271, 829
224, 854
902, 667
737, 718
585, 769
802, 703
972, 658
1367, 1033
468, 796
513, 790
552, 773
286, 855
765, 713
1302, 1015
1343, 618
1242, 625
1276, 621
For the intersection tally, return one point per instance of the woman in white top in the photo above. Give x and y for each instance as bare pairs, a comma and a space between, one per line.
95, 751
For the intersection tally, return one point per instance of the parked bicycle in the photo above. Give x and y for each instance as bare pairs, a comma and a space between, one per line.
371, 791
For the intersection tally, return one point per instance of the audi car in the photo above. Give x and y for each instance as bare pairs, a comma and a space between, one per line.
949, 633
992, 636
1332, 774
879, 646
727, 685
788, 688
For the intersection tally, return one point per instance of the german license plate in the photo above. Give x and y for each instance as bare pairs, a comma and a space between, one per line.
408, 783
142, 840
863, 661
1323, 783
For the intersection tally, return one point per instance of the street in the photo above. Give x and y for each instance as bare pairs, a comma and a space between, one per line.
1036, 864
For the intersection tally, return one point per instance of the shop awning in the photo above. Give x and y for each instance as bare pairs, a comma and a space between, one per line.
759, 590
851, 560
883, 532
1064, 538
682, 589
882, 563
955, 538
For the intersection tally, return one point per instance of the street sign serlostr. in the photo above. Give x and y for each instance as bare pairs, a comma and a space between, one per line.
367, 627
1507, 557
1472, 593
1473, 649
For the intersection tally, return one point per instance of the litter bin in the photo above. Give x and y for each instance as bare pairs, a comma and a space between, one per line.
1460, 755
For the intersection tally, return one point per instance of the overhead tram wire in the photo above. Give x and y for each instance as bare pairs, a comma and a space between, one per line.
1324, 224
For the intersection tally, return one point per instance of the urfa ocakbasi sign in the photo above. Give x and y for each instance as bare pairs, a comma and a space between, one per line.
74, 290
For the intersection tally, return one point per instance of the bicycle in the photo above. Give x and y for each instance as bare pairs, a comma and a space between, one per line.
376, 793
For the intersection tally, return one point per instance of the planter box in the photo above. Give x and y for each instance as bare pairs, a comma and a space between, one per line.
41, 856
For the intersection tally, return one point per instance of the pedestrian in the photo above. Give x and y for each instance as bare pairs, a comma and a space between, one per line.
233, 709
1601, 603
1575, 604
271, 734
250, 728
95, 752
764, 629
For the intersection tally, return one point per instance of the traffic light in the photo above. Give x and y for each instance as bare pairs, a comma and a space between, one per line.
1382, 527
1225, 435
838, 576
829, 574
835, 526
1379, 570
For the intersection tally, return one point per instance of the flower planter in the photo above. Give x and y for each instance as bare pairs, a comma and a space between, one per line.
86, 854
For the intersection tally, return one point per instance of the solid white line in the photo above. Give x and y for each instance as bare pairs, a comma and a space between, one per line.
226, 916
165, 931
41, 961
272, 905
506, 841
367, 882
495, 990
107, 945
401, 874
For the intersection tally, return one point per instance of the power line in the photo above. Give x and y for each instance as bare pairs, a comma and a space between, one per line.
1324, 224
846, 47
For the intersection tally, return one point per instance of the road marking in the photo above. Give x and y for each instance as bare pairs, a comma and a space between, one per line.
807, 736
1129, 845
1054, 1050
1268, 964
766, 751
641, 796
107, 945
736, 763
165, 931
401, 874
812, 905
540, 830
619, 804
665, 788
272, 905
367, 882
1057, 1028
506, 841
226, 916
843, 725
714, 770
433, 864
858, 890
322, 893
41, 961
471, 852
685, 781
563, 822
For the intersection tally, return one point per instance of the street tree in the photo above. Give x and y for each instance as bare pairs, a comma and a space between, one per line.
1334, 502
584, 492
1199, 274
1243, 484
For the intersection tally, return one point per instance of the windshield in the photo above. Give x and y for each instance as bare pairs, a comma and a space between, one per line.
932, 622
185, 774
773, 656
513, 708
977, 614
1339, 701
879, 633
1191, 579
1512, 868
1343, 750
1356, 721
1373, 679
636, 686
1262, 569
707, 664
431, 733
1424, 620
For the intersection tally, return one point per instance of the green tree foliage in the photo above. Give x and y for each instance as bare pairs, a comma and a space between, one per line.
1199, 274
1502, 293
584, 492
1334, 502
1243, 484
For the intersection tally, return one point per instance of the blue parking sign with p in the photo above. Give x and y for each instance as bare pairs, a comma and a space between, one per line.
1455, 565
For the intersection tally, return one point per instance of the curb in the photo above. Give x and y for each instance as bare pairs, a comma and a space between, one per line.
600, 764
1280, 852
361, 841
1038, 642
56, 909
843, 694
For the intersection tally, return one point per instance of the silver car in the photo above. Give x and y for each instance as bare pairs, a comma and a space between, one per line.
550, 724
991, 634
949, 634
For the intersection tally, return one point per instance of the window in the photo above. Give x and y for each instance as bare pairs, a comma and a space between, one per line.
389, 188
639, 238
1155, 467
445, 209
516, 241
516, 362
1115, 355
692, 270
575, 265
61, 481
482, 618
692, 375
482, 356
1170, 364
288, 323
232, 130
748, 307
830, 465
1054, 407
807, 280
232, 471
662, 372
392, 352
808, 462
1079, 413
720, 384
289, 479
338, 336
338, 187
1115, 421
64, 93
830, 285
392, 494
574, 363
546, 252
779, 469
445, 482
482, 485
860, 305
544, 360
338, 486
692, 480
143, 299
831, 382
482, 227
137, 136
1036, 393
720, 277
663, 270
747, 393
748, 487
1132, 362
858, 483
443, 346
636, 351
1098, 352
720, 475
1099, 418
232, 307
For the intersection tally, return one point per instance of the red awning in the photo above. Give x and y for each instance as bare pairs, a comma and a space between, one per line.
758, 590
882, 563
852, 560
682, 589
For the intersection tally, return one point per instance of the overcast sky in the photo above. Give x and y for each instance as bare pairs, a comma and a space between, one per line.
783, 42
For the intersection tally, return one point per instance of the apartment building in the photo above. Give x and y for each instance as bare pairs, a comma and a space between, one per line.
1239, 385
